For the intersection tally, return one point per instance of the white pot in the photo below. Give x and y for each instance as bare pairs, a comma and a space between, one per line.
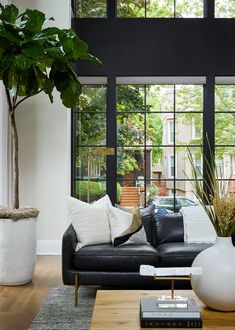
17, 251
216, 286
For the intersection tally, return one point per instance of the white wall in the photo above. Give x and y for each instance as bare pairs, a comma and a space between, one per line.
4, 143
44, 133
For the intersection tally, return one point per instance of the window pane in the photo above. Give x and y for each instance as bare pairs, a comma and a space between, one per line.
189, 98
130, 8
89, 191
92, 99
154, 129
89, 164
130, 129
160, 8
225, 162
130, 165
91, 128
161, 164
160, 98
225, 128
130, 98
91, 8
129, 195
224, 8
185, 194
188, 128
167, 129
224, 98
189, 8
183, 166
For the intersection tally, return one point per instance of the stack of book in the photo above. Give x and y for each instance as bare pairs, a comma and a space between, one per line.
166, 314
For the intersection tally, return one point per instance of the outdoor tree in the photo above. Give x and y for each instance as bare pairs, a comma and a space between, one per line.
91, 8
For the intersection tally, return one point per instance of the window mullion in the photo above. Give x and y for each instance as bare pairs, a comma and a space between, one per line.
209, 8
208, 128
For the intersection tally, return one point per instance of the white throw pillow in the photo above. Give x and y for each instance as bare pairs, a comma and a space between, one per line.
90, 222
197, 225
103, 202
119, 221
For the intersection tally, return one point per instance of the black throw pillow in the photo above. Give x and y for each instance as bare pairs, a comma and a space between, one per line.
147, 215
168, 228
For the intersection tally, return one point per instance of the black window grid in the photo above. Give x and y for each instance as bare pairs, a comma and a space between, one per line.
145, 145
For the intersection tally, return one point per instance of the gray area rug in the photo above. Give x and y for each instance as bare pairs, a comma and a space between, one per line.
59, 313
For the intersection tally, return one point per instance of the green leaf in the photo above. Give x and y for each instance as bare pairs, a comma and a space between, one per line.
50, 31
62, 80
55, 53
33, 49
9, 79
70, 95
4, 65
9, 13
34, 21
9, 35
23, 62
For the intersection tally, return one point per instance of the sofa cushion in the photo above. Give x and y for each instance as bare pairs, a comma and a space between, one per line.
168, 228
105, 257
179, 254
147, 215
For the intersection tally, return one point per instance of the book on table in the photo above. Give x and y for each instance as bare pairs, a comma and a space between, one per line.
169, 313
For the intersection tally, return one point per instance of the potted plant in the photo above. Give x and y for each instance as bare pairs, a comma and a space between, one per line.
33, 60
216, 286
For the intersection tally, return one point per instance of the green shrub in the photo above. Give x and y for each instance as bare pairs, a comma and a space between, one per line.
91, 191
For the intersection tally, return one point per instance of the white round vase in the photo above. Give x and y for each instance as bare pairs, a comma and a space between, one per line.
17, 251
216, 286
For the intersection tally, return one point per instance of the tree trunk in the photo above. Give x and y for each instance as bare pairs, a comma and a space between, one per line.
15, 160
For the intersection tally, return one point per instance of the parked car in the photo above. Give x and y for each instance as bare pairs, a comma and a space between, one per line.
167, 202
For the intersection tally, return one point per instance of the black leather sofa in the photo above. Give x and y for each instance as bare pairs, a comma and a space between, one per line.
110, 266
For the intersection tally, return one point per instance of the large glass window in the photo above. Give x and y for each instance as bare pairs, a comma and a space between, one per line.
91, 8
156, 124
225, 133
89, 118
160, 8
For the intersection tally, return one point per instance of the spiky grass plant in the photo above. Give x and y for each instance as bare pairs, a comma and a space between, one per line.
214, 197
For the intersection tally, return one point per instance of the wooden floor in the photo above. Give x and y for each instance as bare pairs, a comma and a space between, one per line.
20, 304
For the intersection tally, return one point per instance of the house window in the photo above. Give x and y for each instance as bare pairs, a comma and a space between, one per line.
225, 128
90, 8
89, 137
224, 8
196, 129
171, 132
197, 159
160, 8
149, 157
171, 166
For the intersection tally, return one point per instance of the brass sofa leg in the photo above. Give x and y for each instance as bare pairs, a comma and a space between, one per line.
76, 290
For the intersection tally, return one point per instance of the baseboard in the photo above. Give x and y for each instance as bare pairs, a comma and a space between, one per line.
49, 247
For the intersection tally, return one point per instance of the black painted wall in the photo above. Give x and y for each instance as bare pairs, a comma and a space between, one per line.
152, 47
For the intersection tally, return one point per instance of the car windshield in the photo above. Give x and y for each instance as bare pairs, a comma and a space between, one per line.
184, 202
168, 201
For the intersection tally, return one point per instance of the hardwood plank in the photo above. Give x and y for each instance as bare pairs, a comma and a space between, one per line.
119, 310
20, 304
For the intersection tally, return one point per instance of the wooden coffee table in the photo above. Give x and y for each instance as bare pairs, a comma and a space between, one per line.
119, 310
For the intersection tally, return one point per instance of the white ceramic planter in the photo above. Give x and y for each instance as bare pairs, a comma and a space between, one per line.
216, 286
17, 251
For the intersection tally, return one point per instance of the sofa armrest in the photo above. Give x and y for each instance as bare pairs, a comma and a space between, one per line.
69, 243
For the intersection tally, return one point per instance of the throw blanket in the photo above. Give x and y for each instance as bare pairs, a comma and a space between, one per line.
197, 225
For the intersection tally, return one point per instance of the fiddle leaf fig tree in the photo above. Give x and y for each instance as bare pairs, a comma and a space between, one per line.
34, 60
